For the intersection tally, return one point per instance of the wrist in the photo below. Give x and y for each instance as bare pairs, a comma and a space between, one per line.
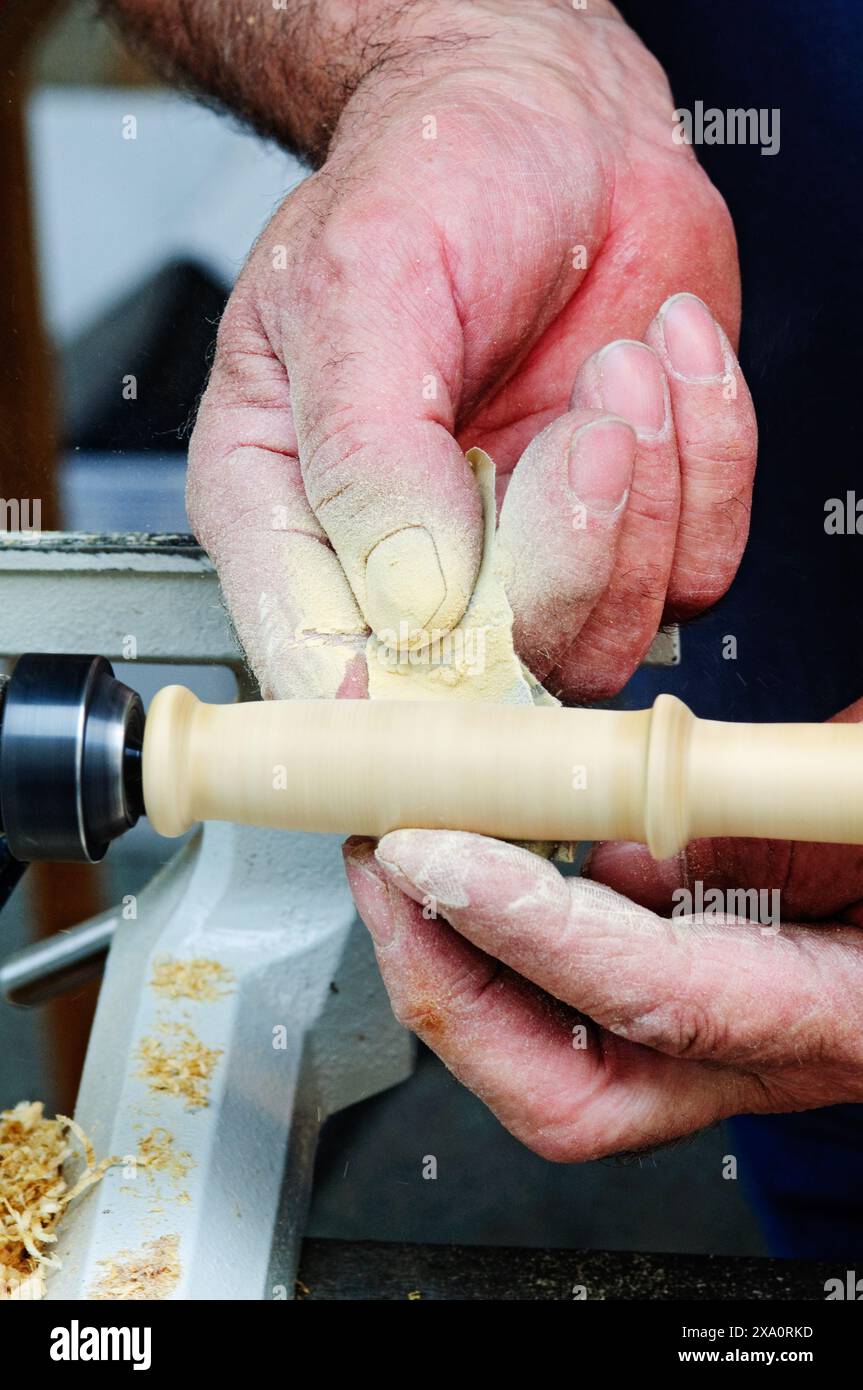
451, 49
301, 71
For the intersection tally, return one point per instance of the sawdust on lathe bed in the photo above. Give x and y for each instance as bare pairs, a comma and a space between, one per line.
157, 1154
151, 1272
34, 1193
179, 1064
198, 978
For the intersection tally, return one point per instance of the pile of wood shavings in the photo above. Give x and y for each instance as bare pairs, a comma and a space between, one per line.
156, 1152
199, 978
34, 1193
151, 1272
182, 1066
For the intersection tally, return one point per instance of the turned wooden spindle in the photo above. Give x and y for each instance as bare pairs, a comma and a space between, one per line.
660, 775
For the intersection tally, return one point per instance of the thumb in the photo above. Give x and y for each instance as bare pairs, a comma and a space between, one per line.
374, 366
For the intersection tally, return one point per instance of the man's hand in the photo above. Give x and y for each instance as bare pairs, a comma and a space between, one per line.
501, 201
591, 1025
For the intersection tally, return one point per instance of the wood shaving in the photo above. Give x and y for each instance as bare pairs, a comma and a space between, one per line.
34, 1193
152, 1272
157, 1154
199, 978
181, 1067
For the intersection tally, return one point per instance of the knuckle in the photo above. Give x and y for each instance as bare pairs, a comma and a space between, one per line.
239, 333
358, 229
331, 443
710, 206
734, 445
433, 1014
422, 1016
564, 1145
562, 1140
641, 588
656, 505
556, 1147
716, 450
330, 435
679, 1028
704, 213
709, 547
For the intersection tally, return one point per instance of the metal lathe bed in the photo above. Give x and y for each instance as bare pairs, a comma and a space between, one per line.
306, 1029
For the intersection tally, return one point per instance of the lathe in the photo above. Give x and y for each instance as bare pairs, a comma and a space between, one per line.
271, 905
79, 764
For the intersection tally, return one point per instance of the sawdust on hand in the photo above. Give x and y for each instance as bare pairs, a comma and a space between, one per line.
476, 660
